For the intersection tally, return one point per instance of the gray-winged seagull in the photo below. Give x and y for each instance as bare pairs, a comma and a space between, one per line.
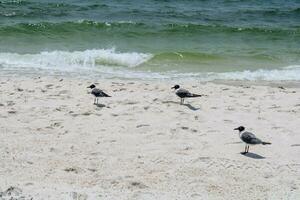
97, 93
249, 138
183, 93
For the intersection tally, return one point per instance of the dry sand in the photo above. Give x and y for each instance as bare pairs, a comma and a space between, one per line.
141, 144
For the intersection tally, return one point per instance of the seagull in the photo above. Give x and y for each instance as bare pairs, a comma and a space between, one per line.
183, 93
97, 93
249, 138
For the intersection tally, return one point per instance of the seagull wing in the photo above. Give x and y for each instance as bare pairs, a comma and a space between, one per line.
250, 138
182, 93
104, 94
99, 93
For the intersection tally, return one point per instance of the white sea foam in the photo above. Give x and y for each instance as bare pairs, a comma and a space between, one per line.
289, 73
63, 60
100, 61
285, 73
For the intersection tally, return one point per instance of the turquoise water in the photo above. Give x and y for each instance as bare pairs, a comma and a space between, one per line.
221, 39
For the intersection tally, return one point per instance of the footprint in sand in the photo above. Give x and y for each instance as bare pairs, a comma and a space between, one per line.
142, 125
295, 145
71, 169
130, 103
11, 193
86, 113
194, 130
137, 184
62, 92
56, 124
119, 90
49, 86
12, 112
274, 106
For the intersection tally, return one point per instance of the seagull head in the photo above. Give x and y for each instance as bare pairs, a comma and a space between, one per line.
240, 128
92, 86
175, 87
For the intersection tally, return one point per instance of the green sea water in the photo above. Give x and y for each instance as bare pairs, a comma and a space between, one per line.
221, 39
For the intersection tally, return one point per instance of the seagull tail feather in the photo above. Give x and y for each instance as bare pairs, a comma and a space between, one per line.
106, 95
196, 95
264, 143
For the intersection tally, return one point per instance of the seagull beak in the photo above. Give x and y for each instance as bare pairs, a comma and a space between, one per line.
89, 87
172, 87
236, 129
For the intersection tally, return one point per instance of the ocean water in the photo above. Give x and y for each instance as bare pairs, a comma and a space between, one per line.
153, 39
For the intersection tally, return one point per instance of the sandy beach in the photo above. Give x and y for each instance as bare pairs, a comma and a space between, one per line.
142, 144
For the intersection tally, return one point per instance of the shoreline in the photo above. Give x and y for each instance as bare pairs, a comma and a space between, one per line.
86, 77
141, 144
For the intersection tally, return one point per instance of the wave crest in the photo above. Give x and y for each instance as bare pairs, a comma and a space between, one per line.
110, 63
75, 59
290, 73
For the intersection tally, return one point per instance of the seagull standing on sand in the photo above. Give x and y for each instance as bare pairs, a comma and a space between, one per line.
183, 93
97, 93
249, 138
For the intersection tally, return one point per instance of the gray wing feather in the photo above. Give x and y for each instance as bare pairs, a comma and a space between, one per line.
99, 93
183, 93
250, 138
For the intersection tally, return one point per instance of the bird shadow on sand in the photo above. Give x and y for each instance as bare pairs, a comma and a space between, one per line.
190, 106
99, 105
185, 104
253, 155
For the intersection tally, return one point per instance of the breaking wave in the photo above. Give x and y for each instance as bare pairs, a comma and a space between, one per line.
65, 60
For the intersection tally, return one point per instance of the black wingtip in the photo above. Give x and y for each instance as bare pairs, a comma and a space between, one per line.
196, 95
266, 143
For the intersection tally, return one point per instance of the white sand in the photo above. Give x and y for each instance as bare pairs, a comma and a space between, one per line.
55, 144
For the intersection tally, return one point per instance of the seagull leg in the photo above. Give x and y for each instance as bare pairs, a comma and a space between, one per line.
248, 149
95, 100
245, 150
